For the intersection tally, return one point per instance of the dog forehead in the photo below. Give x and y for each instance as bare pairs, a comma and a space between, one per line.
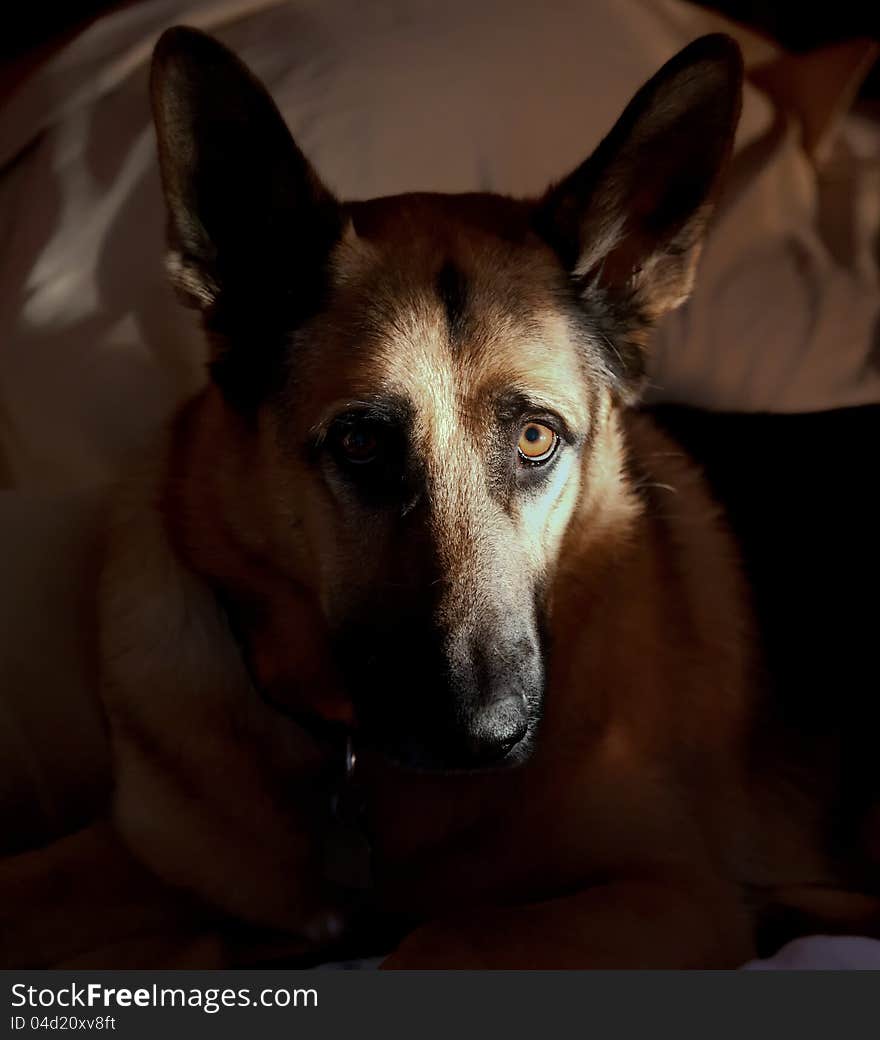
447, 310
432, 218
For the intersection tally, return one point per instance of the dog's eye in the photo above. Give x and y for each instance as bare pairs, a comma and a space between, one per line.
359, 444
537, 442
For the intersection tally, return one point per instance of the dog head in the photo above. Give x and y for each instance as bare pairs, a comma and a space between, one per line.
429, 382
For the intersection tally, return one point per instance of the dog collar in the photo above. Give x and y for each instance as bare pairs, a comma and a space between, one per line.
347, 852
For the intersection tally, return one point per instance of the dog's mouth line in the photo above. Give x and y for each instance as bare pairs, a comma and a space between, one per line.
340, 735
516, 757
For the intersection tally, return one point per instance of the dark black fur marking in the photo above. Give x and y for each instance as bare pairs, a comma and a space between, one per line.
452, 288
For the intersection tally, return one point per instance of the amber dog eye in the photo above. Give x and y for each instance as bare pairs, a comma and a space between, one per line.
359, 444
537, 442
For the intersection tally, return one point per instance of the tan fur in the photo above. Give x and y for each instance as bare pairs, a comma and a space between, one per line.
642, 766
197, 755
643, 829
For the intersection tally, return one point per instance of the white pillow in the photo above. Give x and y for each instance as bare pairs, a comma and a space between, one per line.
383, 96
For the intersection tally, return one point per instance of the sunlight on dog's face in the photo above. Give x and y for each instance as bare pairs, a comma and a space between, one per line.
442, 401
436, 375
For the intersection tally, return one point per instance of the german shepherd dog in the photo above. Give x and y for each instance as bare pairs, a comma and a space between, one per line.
417, 510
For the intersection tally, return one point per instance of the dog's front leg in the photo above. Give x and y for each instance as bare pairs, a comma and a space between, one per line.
214, 791
644, 923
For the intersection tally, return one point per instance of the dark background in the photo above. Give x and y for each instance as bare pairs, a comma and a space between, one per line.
794, 23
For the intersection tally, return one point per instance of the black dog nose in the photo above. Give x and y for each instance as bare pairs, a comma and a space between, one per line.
495, 730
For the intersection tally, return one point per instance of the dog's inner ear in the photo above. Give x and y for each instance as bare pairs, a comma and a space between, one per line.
629, 221
250, 223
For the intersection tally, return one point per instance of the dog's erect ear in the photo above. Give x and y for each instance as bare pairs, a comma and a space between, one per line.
249, 220
628, 222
